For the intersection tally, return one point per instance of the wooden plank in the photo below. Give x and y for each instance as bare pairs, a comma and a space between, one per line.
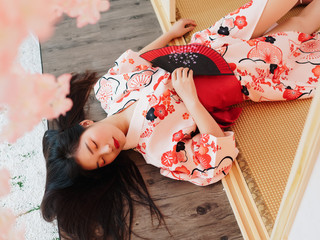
170, 9
161, 14
305, 159
243, 206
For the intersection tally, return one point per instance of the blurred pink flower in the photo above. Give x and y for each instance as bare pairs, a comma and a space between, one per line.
4, 182
7, 219
18, 17
86, 11
31, 98
7, 226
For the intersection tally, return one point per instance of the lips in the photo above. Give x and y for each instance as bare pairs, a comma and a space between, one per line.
116, 143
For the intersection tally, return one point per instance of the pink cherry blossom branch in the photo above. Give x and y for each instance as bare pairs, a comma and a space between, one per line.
32, 97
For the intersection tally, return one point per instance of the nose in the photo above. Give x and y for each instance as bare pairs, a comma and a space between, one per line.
106, 149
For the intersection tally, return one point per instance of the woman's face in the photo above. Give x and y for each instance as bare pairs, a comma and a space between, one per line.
99, 145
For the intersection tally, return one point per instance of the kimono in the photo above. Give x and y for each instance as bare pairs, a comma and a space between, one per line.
281, 66
161, 128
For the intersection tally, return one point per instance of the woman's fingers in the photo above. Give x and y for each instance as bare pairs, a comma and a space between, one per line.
177, 73
187, 73
190, 73
189, 22
182, 74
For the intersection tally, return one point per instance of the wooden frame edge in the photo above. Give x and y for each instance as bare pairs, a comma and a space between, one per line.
243, 205
161, 15
164, 22
305, 159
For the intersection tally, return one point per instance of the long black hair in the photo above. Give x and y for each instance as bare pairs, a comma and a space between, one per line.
96, 204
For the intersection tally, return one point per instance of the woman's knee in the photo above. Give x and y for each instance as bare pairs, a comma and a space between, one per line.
300, 24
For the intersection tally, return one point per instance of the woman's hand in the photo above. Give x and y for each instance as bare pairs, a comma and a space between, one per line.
183, 83
178, 29
181, 27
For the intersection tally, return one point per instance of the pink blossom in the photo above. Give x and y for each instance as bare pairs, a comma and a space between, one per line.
35, 15
4, 182
18, 17
7, 226
31, 98
7, 219
229, 22
86, 11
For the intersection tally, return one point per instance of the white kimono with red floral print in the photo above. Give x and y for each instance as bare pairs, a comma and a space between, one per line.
283, 66
161, 128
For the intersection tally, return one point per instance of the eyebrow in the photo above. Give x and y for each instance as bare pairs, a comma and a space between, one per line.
98, 165
89, 148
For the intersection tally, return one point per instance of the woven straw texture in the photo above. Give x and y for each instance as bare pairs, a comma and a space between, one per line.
267, 133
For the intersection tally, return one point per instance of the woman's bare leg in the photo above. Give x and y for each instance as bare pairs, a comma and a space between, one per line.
273, 11
308, 21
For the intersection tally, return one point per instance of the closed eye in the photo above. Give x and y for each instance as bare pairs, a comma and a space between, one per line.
95, 144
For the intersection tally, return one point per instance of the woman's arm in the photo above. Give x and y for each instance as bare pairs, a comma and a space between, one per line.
178, 29
182, 81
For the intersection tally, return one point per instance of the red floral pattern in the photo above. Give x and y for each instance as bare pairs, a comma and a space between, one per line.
126, 76
204, 160
185, 116
168, 158
316, 71
160, 111
240, 22
181, 157
182, 169
203, 149
291, 94
304, 37
141, 67
205, 138
170, 108
177, 136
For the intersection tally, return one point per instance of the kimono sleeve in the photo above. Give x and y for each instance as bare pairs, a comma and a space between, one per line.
128, 62
112, 87
238, 24
209, 159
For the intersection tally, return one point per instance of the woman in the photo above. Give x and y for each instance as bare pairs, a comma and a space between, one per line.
92, 186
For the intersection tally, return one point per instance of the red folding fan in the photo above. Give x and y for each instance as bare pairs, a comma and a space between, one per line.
201, 59
216, 85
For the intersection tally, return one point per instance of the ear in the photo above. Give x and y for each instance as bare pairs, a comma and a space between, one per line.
86, 123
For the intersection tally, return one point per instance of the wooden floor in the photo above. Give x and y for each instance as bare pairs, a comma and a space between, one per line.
192, 212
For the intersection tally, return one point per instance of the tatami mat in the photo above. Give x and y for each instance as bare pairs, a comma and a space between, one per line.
267, 133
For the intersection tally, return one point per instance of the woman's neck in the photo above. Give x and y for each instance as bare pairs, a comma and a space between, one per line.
122, 120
